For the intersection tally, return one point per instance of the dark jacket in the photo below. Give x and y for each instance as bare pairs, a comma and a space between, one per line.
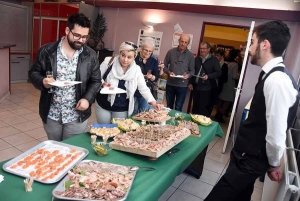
88, 72
223, 78
211, 67
151, 64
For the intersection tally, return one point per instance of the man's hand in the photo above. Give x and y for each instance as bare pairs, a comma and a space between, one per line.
82, 104
275, 174
205, 77
191, 87
46, 82
185, 76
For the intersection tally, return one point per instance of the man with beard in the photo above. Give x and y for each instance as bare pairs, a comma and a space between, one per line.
261, 138
65, 110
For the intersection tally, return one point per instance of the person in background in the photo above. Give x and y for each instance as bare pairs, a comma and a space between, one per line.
65, 110
178, 61
260, 142
149, 67
122, 72
227, 94
220, 54
207, 70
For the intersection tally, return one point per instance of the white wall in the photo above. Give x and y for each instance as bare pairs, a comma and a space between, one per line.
124, 24
261, 4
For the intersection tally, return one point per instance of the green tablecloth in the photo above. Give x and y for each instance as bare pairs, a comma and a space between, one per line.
148, 185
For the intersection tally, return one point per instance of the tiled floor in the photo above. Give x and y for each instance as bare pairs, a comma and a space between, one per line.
21, 128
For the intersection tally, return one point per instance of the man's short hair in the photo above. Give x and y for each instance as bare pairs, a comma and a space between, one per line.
277, 33
220, 52
206, 43
79, 19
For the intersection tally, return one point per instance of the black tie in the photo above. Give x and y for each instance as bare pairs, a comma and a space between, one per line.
259, 78
261, 75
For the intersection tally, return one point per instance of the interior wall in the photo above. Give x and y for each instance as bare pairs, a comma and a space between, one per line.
124, 24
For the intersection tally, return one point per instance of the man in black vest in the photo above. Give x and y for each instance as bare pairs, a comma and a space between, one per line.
261, 139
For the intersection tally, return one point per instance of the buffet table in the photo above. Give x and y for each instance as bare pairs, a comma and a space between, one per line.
147, 185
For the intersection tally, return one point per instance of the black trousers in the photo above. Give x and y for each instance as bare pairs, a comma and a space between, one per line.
202, 102
238, 182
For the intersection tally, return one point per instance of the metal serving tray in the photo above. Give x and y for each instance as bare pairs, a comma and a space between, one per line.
61, 187
49, 143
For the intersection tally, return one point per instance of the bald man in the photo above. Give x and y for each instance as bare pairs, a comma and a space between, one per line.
178, 61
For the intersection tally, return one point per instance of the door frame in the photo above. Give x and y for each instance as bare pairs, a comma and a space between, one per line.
198, 51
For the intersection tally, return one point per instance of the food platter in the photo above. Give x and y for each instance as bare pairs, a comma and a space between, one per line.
47, 162
202, 120
152, 116
126, 124
193, 127
151, 140
94, 180
104, 130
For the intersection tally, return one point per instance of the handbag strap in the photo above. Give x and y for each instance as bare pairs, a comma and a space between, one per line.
110, 63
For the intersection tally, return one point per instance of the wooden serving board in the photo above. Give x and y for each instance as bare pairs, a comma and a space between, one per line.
152, 120
148, 153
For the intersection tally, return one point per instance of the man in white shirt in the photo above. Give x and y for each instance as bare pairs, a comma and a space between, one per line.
261, 139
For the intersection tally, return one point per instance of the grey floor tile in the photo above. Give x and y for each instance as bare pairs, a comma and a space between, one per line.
167, 194
179, 179
196, 187
209, 177
180, 195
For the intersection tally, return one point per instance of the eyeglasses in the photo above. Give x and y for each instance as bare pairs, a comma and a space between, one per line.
203, 48
132, 44
77, 36
147, 51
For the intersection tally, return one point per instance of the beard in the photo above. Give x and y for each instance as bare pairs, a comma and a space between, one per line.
75, 45
255, 57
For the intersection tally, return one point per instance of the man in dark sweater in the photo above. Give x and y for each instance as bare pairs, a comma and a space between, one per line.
260, 143
207, 70
179, 65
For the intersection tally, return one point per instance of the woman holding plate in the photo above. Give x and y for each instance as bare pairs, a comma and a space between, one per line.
121, 73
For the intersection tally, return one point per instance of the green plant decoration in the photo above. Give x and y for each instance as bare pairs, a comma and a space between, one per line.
97, 32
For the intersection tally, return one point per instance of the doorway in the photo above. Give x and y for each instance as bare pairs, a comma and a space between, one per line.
225, 37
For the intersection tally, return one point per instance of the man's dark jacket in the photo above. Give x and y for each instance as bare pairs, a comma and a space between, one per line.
211, 67
88, 72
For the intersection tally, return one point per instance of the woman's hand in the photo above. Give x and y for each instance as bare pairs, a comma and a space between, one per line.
156, 105
105, 84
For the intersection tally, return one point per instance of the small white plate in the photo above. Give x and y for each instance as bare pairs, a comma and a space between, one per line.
109, 90
64, 83
177, 76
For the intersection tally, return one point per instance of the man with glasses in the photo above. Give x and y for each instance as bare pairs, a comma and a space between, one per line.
203, 83
149, 67
65, 110
178, 61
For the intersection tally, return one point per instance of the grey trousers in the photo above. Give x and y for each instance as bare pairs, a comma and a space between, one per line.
105, 116
58, 131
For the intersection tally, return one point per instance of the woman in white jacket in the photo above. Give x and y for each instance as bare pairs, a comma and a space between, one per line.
121, 72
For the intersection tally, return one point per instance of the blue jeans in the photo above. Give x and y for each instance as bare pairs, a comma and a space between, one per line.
176, 94
140, 104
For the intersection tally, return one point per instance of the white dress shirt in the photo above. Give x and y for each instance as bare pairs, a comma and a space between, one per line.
280, 95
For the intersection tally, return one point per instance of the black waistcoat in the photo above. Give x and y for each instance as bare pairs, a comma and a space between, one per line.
251, 138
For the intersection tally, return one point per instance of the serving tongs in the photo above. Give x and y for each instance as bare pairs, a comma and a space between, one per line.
172, 152
135, 168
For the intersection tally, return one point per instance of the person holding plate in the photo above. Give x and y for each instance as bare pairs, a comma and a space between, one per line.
64, 110
149, 67
121, 72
